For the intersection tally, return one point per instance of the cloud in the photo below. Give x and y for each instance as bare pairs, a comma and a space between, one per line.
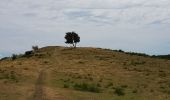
115, 11
138, 25
29, 14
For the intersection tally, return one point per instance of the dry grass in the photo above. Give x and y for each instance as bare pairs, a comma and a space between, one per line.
140, 78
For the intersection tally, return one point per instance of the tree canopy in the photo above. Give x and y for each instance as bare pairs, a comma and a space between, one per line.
72, 38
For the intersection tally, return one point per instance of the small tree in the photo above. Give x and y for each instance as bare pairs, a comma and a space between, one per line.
72, 38
14, 56
35, 48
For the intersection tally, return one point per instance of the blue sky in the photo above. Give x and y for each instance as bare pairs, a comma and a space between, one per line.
131, 25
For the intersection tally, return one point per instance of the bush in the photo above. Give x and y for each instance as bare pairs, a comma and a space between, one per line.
11, 76
137, 63
119, 91
137, 54
5, 58
87, 87
66, 86
120, 50
35, 48
162, 56
110, 84
14, 56
124, 86
135, 91
28, 53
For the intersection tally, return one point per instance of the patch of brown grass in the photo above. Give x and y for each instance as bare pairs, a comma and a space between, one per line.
144, 77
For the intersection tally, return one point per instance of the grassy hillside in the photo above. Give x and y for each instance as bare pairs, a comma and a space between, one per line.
59, 73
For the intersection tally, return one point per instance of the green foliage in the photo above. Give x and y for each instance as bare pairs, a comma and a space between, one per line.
124, 86
11, 76
162, 56
66, 86
28, 53
116, 50
120, 50
14, 56
137, 54
141, 54
35, 48
119, 91
135, 91
87, 87
110, 84
72, 38
5, 58
137, 62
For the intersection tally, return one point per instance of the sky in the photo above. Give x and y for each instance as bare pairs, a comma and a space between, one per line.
131, 25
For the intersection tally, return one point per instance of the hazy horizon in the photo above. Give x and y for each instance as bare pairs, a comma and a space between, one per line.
130, 25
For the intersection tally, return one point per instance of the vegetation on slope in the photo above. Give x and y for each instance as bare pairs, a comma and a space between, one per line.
86, 74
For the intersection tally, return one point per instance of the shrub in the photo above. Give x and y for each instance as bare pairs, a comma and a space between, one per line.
98, 85
109, 85
87, 87
5, 58
137, 63
101, 80
137, 54
11, 76
124, 86
14, 56
162, 74
119, 91
28, 53
135, 91
161, 56
35, 48
120, 50
66, 86
45, 62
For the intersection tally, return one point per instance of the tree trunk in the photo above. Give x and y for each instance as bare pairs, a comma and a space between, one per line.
75, 45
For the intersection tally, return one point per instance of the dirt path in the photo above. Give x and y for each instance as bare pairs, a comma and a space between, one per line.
39, 92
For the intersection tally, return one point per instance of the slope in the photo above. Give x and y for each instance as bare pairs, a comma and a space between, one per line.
60, 73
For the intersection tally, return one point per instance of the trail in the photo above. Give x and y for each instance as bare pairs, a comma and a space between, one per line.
39, 92
43, 93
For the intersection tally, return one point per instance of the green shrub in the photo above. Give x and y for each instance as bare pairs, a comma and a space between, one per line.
11, 76
98, 85
5, 58
120, 50
28, 53
14, 56
162, 74
66, 86
137, 63
35, 48
110, 84
137, 54
86, 87
135, 91
124, 86
119, 91
45, 62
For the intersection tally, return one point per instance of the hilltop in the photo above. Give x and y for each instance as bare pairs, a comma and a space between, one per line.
61, 73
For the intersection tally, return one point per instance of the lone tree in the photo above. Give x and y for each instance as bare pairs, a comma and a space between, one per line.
72, 38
